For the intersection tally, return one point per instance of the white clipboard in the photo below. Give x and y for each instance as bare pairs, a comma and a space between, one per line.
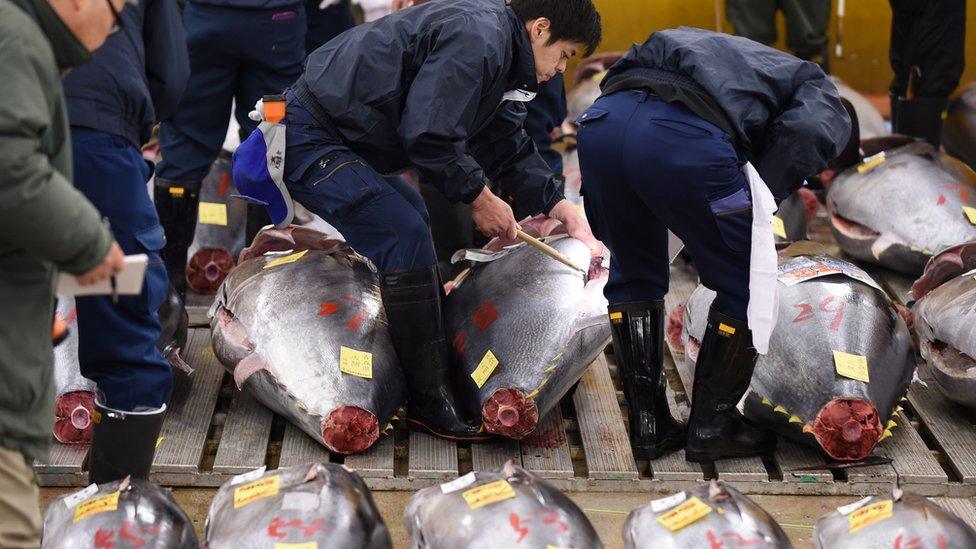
127, 282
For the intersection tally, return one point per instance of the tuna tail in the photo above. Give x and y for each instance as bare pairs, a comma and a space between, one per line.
848, 428
350, 430
207, 269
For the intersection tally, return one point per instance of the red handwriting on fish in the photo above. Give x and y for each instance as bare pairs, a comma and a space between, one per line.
485, 315
917, 543
734, 539
132, 534
807, 312
963, 190
547, 517
279, 528
353, 305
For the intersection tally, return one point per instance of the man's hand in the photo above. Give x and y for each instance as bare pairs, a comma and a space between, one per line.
493, 216
113, 262
576, 226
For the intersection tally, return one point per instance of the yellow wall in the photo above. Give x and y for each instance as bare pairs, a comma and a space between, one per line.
865, 39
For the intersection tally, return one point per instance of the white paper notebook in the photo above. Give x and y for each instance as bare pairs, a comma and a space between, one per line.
127, 282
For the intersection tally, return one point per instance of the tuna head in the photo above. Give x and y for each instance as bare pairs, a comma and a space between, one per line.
712, 515
524, 328
510, 507
219, 235
803, 388
893, 520
315, 505
901, 206
130, 512
306, 333
945, 322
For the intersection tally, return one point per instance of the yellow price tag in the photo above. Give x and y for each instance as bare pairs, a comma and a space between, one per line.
866, 516
213, 213
779, 228
488, 493
97, 505
871, 162
356, 363
484, 370
687, 513
251, 492
970, 213
852, 366
286, 260
303, 545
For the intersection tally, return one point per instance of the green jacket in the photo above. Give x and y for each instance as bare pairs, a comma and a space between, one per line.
46, 225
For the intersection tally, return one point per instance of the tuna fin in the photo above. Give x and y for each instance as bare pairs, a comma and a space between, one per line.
767, 402
795, 419
591, 321
884, 435
478, 256
176, 361
891, 424
248, 366
781, 410
899, 409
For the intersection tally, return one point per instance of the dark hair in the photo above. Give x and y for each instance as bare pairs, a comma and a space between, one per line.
851, 153
572, 20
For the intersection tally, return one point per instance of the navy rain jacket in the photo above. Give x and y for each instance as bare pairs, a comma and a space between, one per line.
786, 112
424, 87
136, 78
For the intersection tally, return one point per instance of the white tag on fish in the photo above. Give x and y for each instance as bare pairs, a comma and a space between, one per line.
458, 483
664, 504
848, 509
299, 501
80, 496
250, 476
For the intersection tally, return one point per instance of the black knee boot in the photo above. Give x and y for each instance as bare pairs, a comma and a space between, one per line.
412, 300
638, 346
123, 443
177, 203
919, 117
716, 429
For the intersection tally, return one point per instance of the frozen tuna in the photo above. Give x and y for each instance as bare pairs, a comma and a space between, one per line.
300, 324
320, 505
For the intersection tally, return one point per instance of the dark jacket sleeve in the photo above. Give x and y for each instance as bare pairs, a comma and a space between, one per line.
441, 109
806, 135
167, 61
511, 160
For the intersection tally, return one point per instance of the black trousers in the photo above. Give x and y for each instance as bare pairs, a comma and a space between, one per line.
929, 35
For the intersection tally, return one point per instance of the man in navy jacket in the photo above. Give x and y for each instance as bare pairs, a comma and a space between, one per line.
135, 79
439, 87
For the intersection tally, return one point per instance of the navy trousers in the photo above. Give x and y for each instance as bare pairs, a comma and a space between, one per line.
324, 25
117, 342
545, 113
235, 54
382, 218
649, 166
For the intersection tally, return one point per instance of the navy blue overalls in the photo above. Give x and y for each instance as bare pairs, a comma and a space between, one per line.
112, 104
649, 166
545, 113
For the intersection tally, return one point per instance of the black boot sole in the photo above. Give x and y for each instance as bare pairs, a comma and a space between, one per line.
699, 457
418, 425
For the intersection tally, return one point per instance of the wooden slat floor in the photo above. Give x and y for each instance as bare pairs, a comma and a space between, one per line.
214, 432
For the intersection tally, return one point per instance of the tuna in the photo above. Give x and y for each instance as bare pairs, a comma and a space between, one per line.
487, 509
897, 520
524, 327
123, 513
320, 505
945, 322
813, 386
300, 324
796, 213
959, 131
219, 235
76, 393
712, 515
870, 123
901, 206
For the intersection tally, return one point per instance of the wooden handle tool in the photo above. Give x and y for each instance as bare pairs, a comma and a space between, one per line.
548, 250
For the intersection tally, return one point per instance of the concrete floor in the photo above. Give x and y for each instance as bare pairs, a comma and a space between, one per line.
607, 511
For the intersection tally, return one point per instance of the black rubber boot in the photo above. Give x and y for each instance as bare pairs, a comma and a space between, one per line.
920, 117
716, 429
412, 300
123, 443
177, 203
638, 346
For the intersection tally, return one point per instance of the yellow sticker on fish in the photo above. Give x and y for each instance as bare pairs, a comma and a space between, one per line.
303, 545
687, 513
213, 213
286, 260
94, 506
868, 515
484, 370
486, 494
779, 228
871, 163
852, 366
970, 213
259, 489
356, 363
